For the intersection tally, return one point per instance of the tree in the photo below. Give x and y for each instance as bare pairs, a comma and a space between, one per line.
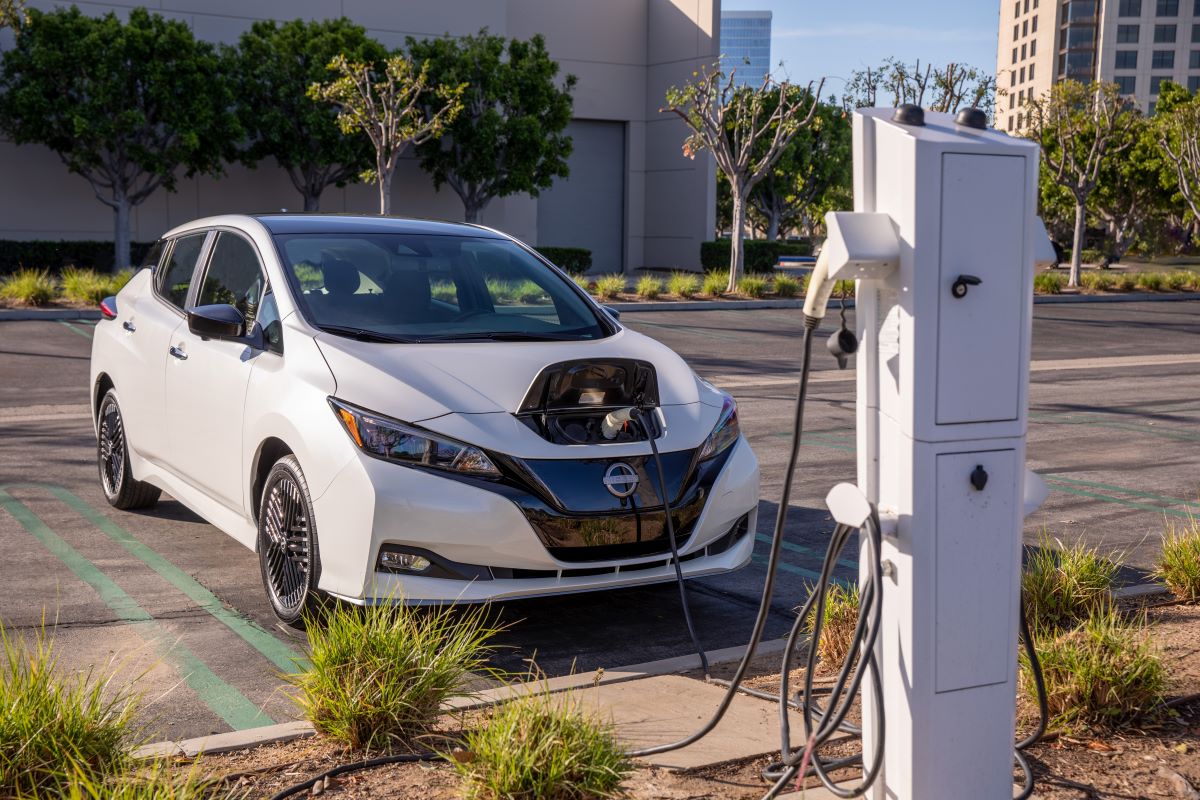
816, 159
383, 103
124, 105
746, 129
947, 88
509, 138
1129, 194
1081, 129
275, 64
1177, 132
13, 13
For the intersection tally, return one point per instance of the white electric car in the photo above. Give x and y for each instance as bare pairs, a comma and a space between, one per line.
396, 409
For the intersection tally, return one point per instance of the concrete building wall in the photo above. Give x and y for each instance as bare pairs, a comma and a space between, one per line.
625, 54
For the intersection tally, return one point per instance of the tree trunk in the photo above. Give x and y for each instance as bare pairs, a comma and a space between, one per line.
773, 225
385, 191
736, 258
121, 235
1077, 243
312, 202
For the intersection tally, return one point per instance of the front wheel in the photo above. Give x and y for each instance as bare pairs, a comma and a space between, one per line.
287, 544
112, 459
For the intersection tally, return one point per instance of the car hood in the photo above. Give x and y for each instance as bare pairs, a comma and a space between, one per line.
415, 382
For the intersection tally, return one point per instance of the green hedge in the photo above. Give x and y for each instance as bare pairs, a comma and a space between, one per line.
760, 255
575, 260
41, 254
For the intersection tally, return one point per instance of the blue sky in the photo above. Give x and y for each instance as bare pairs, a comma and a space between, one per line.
824, 38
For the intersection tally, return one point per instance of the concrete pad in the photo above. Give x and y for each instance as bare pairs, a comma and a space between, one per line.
666, 708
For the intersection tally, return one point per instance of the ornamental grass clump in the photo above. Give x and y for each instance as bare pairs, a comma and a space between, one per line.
1105, 673
56, 727
714, 284
787, 286
1179, 565
1181, 280
89, 287
1151, 281
752, 286
542, 746
683, 284
1096, 281
29, 287
609, 286
1127, 282
157, 781
1063, 585
838, 620
649, 287
378, 675
1048, 283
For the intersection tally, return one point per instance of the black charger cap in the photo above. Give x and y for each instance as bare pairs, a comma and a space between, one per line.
972, 118
909, 114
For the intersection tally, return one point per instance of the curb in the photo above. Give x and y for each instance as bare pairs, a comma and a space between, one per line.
288, 731
24, 314
1139, 590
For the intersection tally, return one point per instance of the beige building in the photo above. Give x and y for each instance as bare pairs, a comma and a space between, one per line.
631, 197
1137, 44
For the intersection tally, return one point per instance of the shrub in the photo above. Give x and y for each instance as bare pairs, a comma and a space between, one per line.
1179, 565
90, 287
97, 255
378, 675
1104, 673
1048, 283
758, 255
649, 287
714, 283
1151, 281
683, 284
1097, 281
582, 281
1127, 281
1181, 280
609, 286
544, 747
838, 620
29, 287
787, 286
752, 286
49, 721
568, 259
1065, 584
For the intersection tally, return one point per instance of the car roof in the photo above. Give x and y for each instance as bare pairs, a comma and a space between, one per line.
340, 223
362, 223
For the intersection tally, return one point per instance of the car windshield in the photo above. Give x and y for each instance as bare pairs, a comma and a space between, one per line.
413, 287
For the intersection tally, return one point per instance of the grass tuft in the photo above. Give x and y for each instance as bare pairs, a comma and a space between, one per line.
90, 287
542, 747
1151, 281
838, 620
29, 287
649, 287
752, 286
787, 286
48, 722
714, 283
1179, 565
1127, 282
380, 674
154, 782
1103, 674
1096, 281
609, 286
1064, 585
683, 284
582, 281
1180, 281
1048, 283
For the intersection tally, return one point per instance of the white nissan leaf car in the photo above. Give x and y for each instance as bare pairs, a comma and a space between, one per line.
388, 409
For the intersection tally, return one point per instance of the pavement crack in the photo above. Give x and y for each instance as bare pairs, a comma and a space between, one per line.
185, 614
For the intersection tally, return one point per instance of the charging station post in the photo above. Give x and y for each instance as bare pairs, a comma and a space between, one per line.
943, 380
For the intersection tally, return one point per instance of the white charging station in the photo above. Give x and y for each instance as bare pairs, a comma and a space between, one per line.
943, 242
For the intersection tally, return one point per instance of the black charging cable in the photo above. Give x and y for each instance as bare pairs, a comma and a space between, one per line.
370, 763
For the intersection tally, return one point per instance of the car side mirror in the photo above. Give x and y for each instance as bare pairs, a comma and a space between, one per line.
612, 312
217, 321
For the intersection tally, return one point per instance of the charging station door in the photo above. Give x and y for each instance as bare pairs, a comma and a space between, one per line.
975, 558
982, 239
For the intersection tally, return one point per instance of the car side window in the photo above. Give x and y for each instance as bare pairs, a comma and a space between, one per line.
234, 276
176, 276
153, 255
272, 327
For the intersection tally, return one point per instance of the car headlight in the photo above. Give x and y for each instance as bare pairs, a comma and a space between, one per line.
725, 433
394, 441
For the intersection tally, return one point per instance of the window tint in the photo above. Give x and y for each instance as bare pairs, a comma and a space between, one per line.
234, 276
177, 275
268, 318
153, 255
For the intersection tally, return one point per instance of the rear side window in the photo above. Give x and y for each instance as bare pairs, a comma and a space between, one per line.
153, 255
177, 272
234, 276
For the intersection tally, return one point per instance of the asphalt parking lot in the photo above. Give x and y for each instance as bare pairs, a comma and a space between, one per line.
172, 603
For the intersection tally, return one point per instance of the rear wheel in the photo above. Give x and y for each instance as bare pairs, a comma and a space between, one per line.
287, 544
112, 459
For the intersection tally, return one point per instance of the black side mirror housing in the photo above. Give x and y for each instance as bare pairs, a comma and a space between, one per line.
217, 321
612, 312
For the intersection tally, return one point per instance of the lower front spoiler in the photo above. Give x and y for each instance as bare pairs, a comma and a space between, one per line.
416, 590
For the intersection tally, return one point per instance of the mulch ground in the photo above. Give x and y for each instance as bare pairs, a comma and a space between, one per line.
1159, 759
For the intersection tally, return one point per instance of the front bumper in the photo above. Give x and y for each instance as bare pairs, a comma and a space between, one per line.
371, 503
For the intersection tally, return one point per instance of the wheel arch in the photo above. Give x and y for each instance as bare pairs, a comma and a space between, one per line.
99, 389
269, 451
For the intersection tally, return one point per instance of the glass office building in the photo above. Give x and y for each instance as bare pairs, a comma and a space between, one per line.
746, 45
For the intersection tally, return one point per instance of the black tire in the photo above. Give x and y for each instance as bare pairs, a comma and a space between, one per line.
121, 489
288, 557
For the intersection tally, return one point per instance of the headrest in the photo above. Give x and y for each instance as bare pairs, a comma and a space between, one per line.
341, 277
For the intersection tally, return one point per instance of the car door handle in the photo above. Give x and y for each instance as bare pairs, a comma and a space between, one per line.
175, 351
129, 326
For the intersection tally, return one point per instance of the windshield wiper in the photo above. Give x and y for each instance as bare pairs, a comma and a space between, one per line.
497, 336
363, 335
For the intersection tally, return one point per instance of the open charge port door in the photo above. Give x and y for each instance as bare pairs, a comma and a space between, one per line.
977, 549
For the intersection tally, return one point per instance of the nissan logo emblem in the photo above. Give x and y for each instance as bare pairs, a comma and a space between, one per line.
620, 479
